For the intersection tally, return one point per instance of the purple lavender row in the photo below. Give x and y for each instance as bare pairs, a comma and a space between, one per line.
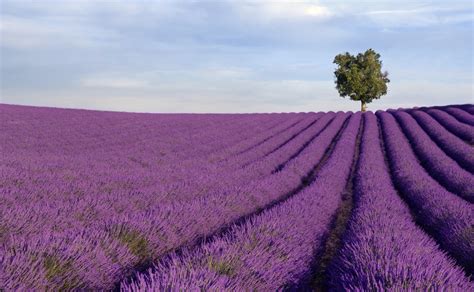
278, 152
460, 115
254, 129
467, 107
326, 127
222, 208
463, 131
265, 188
210, 179
143, 159
383, 249
445, 170
268, 252
446, 216
262, 144
257, 140
132, 157
274, 143
241, 128
138, 225
263, 166
452, 145
293, 148
168, 171
60, 191
196, 181
30, 128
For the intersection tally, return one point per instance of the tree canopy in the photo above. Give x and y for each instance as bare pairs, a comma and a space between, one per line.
360, 77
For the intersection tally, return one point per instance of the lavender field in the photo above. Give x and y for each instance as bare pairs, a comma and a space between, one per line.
237, 202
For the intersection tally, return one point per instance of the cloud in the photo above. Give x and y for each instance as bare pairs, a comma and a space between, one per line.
284, 10
228, 56
50, 32
317, 11
246, 96
23, 33
113, 82
293, 9
420, 16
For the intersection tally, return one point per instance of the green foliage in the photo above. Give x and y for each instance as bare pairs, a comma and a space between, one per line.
136, 242
54, 267
59, 273
222, 267
3, 234
360, 77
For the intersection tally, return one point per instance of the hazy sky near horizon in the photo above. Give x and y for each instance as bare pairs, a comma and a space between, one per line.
229, 56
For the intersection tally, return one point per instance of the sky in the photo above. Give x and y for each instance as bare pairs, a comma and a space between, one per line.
229, 56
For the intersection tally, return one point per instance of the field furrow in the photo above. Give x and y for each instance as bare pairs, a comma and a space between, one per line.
462, 130
454, 147
440, 166
94, 200
273, 144
162, 227
467, 107
444, 215
267, 252
291, 150
255, 141
461, 115
383, 248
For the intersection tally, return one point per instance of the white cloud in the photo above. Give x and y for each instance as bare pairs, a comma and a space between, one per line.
50, 32
232, 56
402, 18
460, 17
317, 11
273, 10
243, 96
113, 82
420, 16
23, 33
399, 11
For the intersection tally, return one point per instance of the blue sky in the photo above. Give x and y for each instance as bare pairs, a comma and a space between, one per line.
229, 56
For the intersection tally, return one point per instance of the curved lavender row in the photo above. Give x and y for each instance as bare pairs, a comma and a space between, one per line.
260, 125
241, 133
460, 115
447, 217
383, 248
130, 160
290, 150
272, 144
445, 170
452, 145
467, 107
323, 142
142, 169
61, 191
35, 129
211, 180
268, 252
144, 231
263, 167
257, 140
256, 194
463, 131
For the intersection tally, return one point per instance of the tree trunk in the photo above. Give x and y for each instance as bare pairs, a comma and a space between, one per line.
363, 106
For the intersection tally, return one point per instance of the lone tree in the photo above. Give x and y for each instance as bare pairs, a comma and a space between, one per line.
360, 77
